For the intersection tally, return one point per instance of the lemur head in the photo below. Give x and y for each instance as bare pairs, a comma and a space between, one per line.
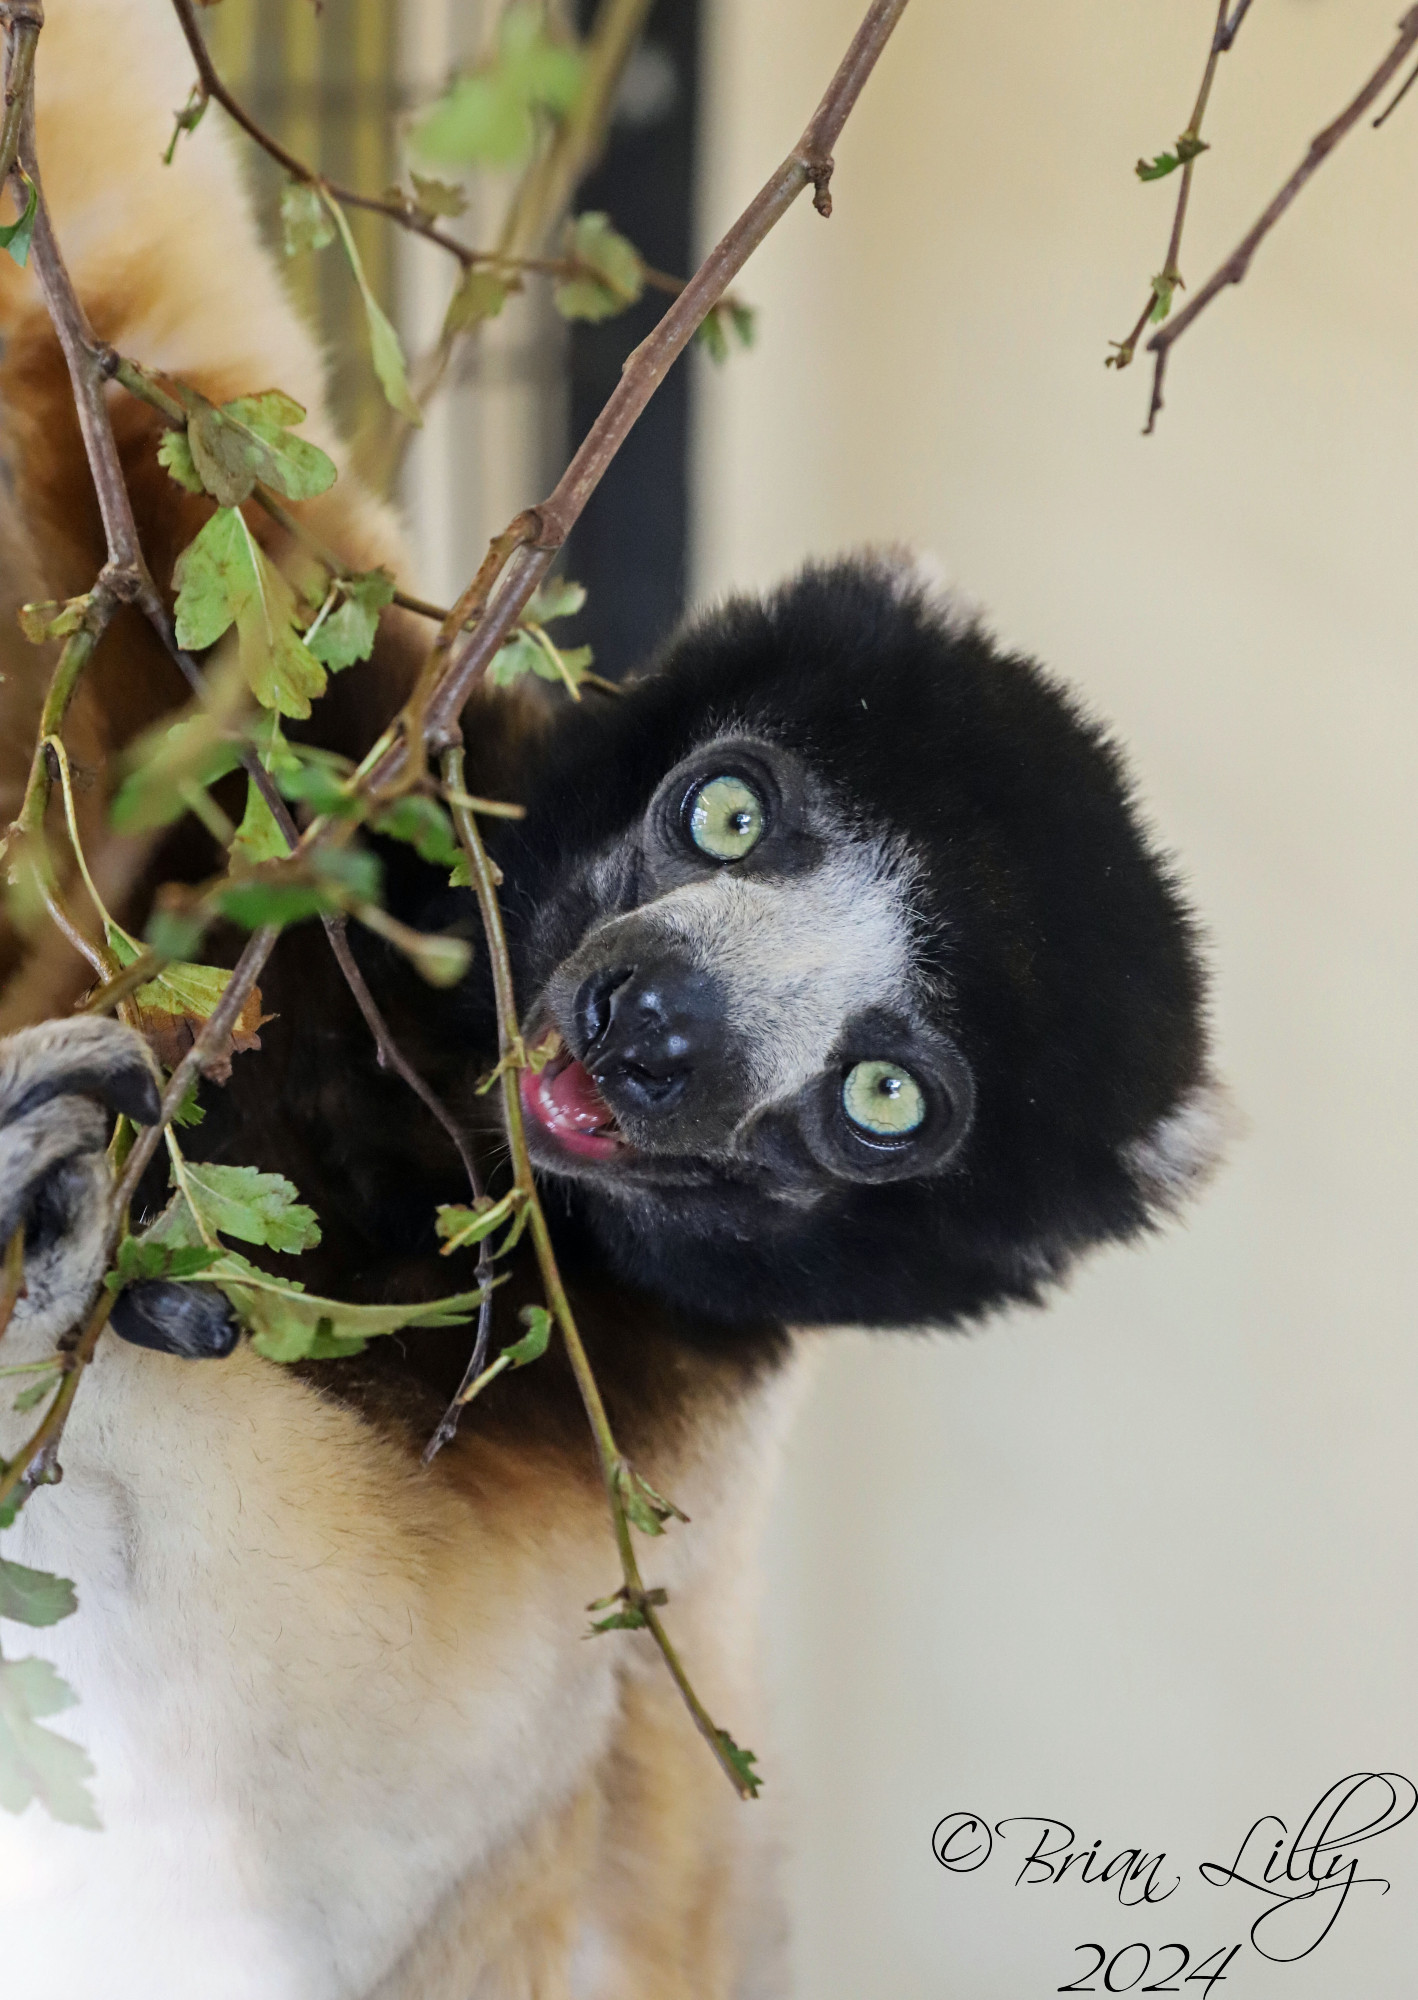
877, 1003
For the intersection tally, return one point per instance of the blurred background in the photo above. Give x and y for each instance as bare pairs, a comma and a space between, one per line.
1146, 1562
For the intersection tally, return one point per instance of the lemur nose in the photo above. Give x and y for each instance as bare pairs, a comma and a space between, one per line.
645, 1028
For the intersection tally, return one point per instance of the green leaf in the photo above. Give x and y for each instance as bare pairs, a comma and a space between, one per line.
743, 1762
437, 197
34, 1762
320, 786
176, 454
169, 762
711, 335
252, 904
29, 1399
175, 1256
224, 577
425, 825
250, 439
644, 1507
353, 869
384, 349
479, 295
1167, 163
727, 323
186, 120
16, 236
348, 633
629, 1618
461, 1226
521, 655
259, 837
191, 1111
173, 934
289, 1324
33, 1596
305, 221
1163, 288
252, 1206
180, 988
547, 72
487, 119
558, 597
479, 123
612, 277
40, 622
533, 1344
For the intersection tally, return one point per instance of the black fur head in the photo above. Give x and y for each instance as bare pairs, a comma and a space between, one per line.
926, 858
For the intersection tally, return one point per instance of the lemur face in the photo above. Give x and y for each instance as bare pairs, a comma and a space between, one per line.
876, 1002
747, 1003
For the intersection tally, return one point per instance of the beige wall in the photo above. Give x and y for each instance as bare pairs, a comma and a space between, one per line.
1146, 1562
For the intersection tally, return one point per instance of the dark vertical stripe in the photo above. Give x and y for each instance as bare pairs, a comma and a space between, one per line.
631, 546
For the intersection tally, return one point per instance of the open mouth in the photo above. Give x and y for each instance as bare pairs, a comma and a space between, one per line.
564, 1101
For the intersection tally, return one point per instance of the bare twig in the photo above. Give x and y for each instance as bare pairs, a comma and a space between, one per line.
1159, 298
1239, 262
390, 1055
1228, 30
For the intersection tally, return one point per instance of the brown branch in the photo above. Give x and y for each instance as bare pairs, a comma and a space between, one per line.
1239, 262
1397, 99
1229, 29
1170, 276
212, 1036
12, 1287
390, 1055
809, 164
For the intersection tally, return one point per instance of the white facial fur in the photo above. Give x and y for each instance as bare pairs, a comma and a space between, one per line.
800, 955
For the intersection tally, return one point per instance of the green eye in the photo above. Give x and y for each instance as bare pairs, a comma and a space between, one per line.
883, 1098
725, 818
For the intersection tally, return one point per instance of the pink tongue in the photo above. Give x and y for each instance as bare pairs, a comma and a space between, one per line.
573, 1097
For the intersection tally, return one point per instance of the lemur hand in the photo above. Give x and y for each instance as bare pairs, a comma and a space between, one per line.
58, 1083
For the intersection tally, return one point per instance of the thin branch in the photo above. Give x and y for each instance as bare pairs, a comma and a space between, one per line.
1392, 106
390, 1055
809, 164
1159, 299
213, 1036
12, 1288
1229, 29
25, 24
1239, 262
614, 1468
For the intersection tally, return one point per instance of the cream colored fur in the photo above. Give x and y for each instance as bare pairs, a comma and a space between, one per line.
349, 1741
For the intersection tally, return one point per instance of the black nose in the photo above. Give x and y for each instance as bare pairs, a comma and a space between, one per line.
645, 1029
